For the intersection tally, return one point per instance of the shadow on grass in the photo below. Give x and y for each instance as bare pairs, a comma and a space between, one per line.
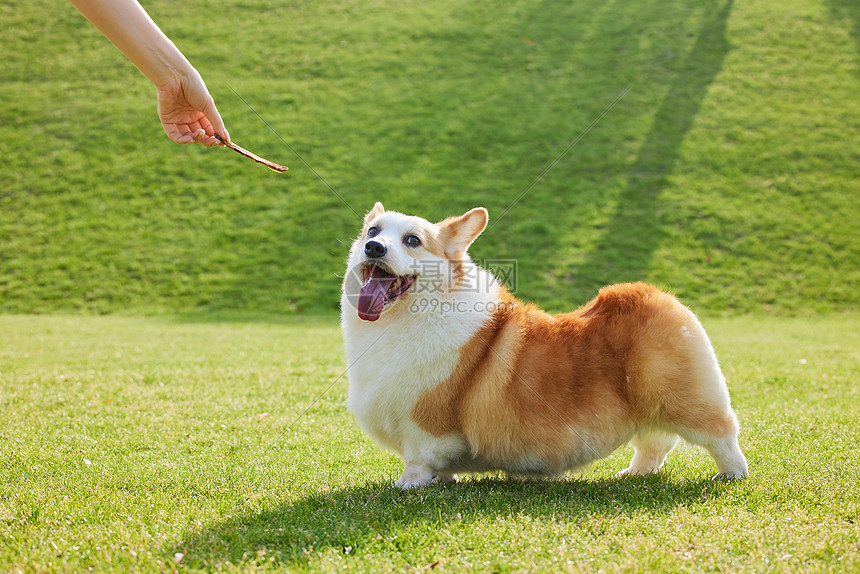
848, 9
628, 243
506, 106
379, 515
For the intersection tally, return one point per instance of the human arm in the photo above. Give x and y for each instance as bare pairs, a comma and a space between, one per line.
185, 107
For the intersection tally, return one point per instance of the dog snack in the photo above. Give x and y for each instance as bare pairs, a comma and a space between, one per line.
242, 151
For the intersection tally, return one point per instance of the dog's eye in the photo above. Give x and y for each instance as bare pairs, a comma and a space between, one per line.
373, 231
412, 241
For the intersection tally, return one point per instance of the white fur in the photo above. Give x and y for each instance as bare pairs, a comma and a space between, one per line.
413, 346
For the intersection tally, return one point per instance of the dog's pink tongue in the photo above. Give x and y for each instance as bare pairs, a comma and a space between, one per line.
371, 298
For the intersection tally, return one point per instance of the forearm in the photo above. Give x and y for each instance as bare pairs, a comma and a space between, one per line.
132, 31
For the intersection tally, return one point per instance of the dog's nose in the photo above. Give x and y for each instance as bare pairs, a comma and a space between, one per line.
374, 249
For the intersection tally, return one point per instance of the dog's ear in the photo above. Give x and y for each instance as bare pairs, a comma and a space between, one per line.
458, 233
377, 210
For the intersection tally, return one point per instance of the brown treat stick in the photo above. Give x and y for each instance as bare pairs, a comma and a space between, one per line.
271, 165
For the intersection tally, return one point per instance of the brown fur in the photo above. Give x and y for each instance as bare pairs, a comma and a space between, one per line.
523, 391
456, 235
528, 382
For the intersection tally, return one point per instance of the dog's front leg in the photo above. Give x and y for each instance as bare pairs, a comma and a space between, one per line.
415, 475
425, 455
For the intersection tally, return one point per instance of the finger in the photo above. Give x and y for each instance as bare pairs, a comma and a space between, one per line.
200, 136
209, 138
179, 134
210, 112
206, 140
224, 135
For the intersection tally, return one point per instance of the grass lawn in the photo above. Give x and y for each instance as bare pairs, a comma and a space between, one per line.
154, 444
711, 148
729, 171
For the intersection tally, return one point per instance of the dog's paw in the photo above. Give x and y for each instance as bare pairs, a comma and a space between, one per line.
409, 484
731, 475
630, 471
447, 478
415, 477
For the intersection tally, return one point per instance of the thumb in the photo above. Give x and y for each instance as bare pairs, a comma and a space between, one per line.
211, 113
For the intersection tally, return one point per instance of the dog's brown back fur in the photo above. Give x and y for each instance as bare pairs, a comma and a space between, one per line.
538, 386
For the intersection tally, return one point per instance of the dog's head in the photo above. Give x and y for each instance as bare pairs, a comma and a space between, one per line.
397, 256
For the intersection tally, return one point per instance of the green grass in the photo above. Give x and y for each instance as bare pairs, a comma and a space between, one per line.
728, 172
126, 442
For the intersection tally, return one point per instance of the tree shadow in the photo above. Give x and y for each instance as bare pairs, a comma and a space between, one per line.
350, 519
561, 65
627, 244
849, 9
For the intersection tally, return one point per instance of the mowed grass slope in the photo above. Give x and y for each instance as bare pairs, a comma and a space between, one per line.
153, 445
710, 148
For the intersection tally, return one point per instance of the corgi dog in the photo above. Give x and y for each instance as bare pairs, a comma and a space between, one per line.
450, 371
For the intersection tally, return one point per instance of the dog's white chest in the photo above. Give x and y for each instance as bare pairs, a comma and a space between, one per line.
392, 364
388, 374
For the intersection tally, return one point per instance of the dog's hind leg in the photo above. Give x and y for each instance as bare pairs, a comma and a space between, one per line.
707, 419
651, 448
698, 406
723, 447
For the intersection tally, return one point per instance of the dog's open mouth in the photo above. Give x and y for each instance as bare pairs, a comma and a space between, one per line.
380, 288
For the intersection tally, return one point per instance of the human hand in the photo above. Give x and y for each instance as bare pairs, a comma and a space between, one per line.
187, 111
